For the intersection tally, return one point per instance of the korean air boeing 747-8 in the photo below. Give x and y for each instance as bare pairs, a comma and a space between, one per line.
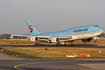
84, 33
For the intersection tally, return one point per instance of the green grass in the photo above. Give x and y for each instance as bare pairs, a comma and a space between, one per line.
34, 53
46, 49
30, 53
16, 42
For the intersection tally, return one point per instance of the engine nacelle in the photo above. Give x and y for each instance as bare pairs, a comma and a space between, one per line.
54, 40
34, 39
86, 40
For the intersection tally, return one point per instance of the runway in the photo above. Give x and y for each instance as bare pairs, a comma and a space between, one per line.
75, 46
52, 64
11, 63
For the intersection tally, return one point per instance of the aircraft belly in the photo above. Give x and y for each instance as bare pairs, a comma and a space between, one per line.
73, 37
83, 36
88, 35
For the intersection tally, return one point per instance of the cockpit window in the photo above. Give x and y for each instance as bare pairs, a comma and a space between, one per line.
96, 26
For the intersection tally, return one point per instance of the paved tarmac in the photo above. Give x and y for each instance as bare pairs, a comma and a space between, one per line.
76, 46
6, 57
52, 64
11, 63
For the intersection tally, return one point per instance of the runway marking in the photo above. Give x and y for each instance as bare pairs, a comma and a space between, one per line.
16, 66
24, 64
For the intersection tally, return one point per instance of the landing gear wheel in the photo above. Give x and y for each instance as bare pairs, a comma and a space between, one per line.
72, 43
58, 45
95, 41
65, 44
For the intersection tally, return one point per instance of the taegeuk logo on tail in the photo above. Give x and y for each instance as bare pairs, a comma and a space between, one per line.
31, 28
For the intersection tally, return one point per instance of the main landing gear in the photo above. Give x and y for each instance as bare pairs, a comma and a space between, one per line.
64, 44
61, 44
72, 43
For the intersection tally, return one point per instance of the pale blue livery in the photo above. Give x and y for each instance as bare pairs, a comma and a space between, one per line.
69, 35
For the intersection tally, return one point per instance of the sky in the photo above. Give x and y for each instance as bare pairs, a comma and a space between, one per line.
49, 15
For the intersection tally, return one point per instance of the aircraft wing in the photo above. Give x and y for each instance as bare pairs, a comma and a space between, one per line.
51, 38
47, 38
14, 35
21, 35
63, 38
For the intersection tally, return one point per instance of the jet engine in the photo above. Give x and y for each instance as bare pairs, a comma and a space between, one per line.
54, 40
34, 39
86, 40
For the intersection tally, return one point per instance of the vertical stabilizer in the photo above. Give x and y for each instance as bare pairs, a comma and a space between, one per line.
32, 30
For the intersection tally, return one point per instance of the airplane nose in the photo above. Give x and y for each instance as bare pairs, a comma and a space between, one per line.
101, 30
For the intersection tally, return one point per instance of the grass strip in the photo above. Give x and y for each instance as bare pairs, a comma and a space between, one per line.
30, 53
58, 52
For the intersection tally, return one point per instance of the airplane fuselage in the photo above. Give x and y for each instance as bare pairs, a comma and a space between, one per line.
84, 33
77, 33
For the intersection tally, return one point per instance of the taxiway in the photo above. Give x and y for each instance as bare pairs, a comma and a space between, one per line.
11, 63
